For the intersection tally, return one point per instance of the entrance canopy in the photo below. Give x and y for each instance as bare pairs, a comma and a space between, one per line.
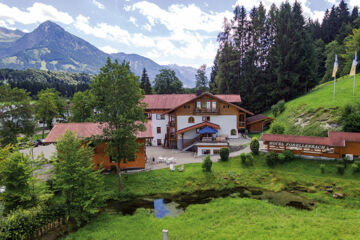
207, 130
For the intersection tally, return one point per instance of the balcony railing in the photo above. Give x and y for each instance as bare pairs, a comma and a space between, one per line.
206, 111
171, 124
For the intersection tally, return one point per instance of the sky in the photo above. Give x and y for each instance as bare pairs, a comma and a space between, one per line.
167, 31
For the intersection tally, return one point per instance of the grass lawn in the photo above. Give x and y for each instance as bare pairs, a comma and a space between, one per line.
319, 105
235, 218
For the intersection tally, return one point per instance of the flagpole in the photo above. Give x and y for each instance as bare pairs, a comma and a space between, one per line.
334, 83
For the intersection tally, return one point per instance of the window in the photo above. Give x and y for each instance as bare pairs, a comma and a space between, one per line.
191, 120
159, 142
214, 105
205, 151
208, 105
233, 132
160, 117
158, 129
204, 105
241, 118
206, 118
111, 160
216, 151
198, 104
149, 116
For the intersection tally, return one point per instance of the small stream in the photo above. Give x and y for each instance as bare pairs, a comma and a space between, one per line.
174, 204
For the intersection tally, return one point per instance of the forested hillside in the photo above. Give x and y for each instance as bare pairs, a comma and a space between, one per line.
35, 80
267, 56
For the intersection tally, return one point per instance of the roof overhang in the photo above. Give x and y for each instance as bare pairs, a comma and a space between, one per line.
199, 125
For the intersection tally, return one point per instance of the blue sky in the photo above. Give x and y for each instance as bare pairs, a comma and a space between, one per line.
167, 31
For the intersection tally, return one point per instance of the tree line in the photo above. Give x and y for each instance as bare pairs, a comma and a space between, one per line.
279, 54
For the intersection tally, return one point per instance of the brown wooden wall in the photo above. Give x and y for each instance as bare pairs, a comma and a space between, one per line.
256, 127
100, 157
350, 148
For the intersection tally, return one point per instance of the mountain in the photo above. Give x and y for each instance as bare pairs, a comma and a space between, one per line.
50, 47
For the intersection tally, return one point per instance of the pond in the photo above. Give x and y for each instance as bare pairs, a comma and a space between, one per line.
174, 204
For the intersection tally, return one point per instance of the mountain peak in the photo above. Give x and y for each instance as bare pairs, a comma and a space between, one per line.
49, 25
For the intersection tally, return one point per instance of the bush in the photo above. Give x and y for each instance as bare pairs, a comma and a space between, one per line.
250, 159
289, 155
243, 158
278, 108
340, 169
322, 168
355, 168
282, 158
277, 128
271, 159
254, 146
207, 164
224, 154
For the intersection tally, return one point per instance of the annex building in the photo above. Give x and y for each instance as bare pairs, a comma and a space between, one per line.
87, 130
336, 145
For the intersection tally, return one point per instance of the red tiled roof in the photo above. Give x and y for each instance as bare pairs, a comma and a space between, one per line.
335, 139
169, 101
203, 124
232, 98
256, 118
339, 138
87, 130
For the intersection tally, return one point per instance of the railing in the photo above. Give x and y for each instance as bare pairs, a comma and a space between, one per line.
190, 142
206, 111
171, 124
242, 124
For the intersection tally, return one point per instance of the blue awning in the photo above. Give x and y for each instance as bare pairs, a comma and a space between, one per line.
207, 130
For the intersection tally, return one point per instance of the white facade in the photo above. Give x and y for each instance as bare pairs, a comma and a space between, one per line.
162, 123
226, 123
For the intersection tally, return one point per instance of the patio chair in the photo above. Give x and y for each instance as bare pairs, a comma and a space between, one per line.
172, 167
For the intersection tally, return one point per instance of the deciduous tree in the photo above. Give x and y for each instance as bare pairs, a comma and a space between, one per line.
118, 100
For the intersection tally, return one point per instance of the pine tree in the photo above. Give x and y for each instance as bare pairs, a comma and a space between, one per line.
145, 82
202, 82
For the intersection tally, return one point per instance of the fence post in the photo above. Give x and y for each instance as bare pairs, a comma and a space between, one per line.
165, 234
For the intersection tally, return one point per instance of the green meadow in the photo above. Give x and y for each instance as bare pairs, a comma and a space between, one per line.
319, 105
233, 217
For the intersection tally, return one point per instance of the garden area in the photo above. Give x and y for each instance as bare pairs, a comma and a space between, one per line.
333, 193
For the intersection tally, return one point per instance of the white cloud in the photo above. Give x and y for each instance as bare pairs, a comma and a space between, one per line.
179, 16
133, 20
37, 13
354, 3
108, 49
4, 24
102, 30
147, 27
98, 4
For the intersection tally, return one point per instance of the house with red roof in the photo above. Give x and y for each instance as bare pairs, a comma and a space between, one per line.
88, 130
335, 145
178, 120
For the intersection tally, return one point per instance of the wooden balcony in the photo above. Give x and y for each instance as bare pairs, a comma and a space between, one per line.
171, 124
208, 111
242, 124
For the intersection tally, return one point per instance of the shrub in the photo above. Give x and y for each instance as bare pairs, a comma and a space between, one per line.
282, 158
277, 128
355, 168
243, 158
278, 108
250, 159
322, 168
271, 159
340, 169
289, 155
207, 164
224, 154
254, 146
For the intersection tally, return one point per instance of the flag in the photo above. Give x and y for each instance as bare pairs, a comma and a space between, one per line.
335, 66
353, 66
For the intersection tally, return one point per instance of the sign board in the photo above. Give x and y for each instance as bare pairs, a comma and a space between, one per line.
298, 145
